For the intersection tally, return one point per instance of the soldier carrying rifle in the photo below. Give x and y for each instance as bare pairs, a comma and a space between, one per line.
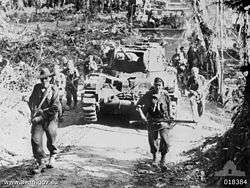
155, 104
44, 105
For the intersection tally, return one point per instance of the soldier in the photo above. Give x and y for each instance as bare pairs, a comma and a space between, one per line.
201, 51
176, 58
60, 82
246, 71
181, 70
3, 63
155, 105
192, 57
44, 104
72, 78
131, 10
183, 53
195, 86
210, 63
94, 63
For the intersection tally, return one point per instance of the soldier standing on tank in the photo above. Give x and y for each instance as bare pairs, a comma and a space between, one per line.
154, 106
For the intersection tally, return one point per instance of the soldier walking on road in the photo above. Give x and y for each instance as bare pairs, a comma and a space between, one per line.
60, 82
155, 105
72, 78
195, 86
44, 105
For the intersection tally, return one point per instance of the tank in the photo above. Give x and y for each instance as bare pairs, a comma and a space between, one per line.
164, 18
129, 76
99, 88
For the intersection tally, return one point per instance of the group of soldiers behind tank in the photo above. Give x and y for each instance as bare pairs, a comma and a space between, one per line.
67, 79
196, 56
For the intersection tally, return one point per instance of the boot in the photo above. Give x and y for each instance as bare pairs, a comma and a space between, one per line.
51, 161
154, 162
163, 162
40, 167
163, 158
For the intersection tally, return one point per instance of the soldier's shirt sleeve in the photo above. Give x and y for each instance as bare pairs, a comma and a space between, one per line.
167, 101
54, 105
202, 81
145, 101
34, 97
141, 101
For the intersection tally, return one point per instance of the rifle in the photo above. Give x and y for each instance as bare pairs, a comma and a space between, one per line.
144, 119
165, 120
36, 110
168, 121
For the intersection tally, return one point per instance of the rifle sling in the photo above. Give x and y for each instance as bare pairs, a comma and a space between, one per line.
44, 97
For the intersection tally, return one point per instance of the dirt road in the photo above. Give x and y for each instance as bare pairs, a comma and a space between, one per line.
107, 154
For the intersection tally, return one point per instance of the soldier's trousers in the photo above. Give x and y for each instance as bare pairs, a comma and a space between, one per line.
37, 132
71, 92
153, 134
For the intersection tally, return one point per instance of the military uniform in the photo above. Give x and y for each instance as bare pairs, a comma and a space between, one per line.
72, 77
131, 9
60, 82
48, 119
156, 108
210, 64
176, 60
192, 58
195, 85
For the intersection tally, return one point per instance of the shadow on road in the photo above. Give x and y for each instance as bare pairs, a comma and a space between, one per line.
75, 166
75, 117
120, 121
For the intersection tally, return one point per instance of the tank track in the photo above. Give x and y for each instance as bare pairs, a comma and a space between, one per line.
89, 105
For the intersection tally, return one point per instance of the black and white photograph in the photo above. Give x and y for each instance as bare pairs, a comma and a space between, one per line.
124, 93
